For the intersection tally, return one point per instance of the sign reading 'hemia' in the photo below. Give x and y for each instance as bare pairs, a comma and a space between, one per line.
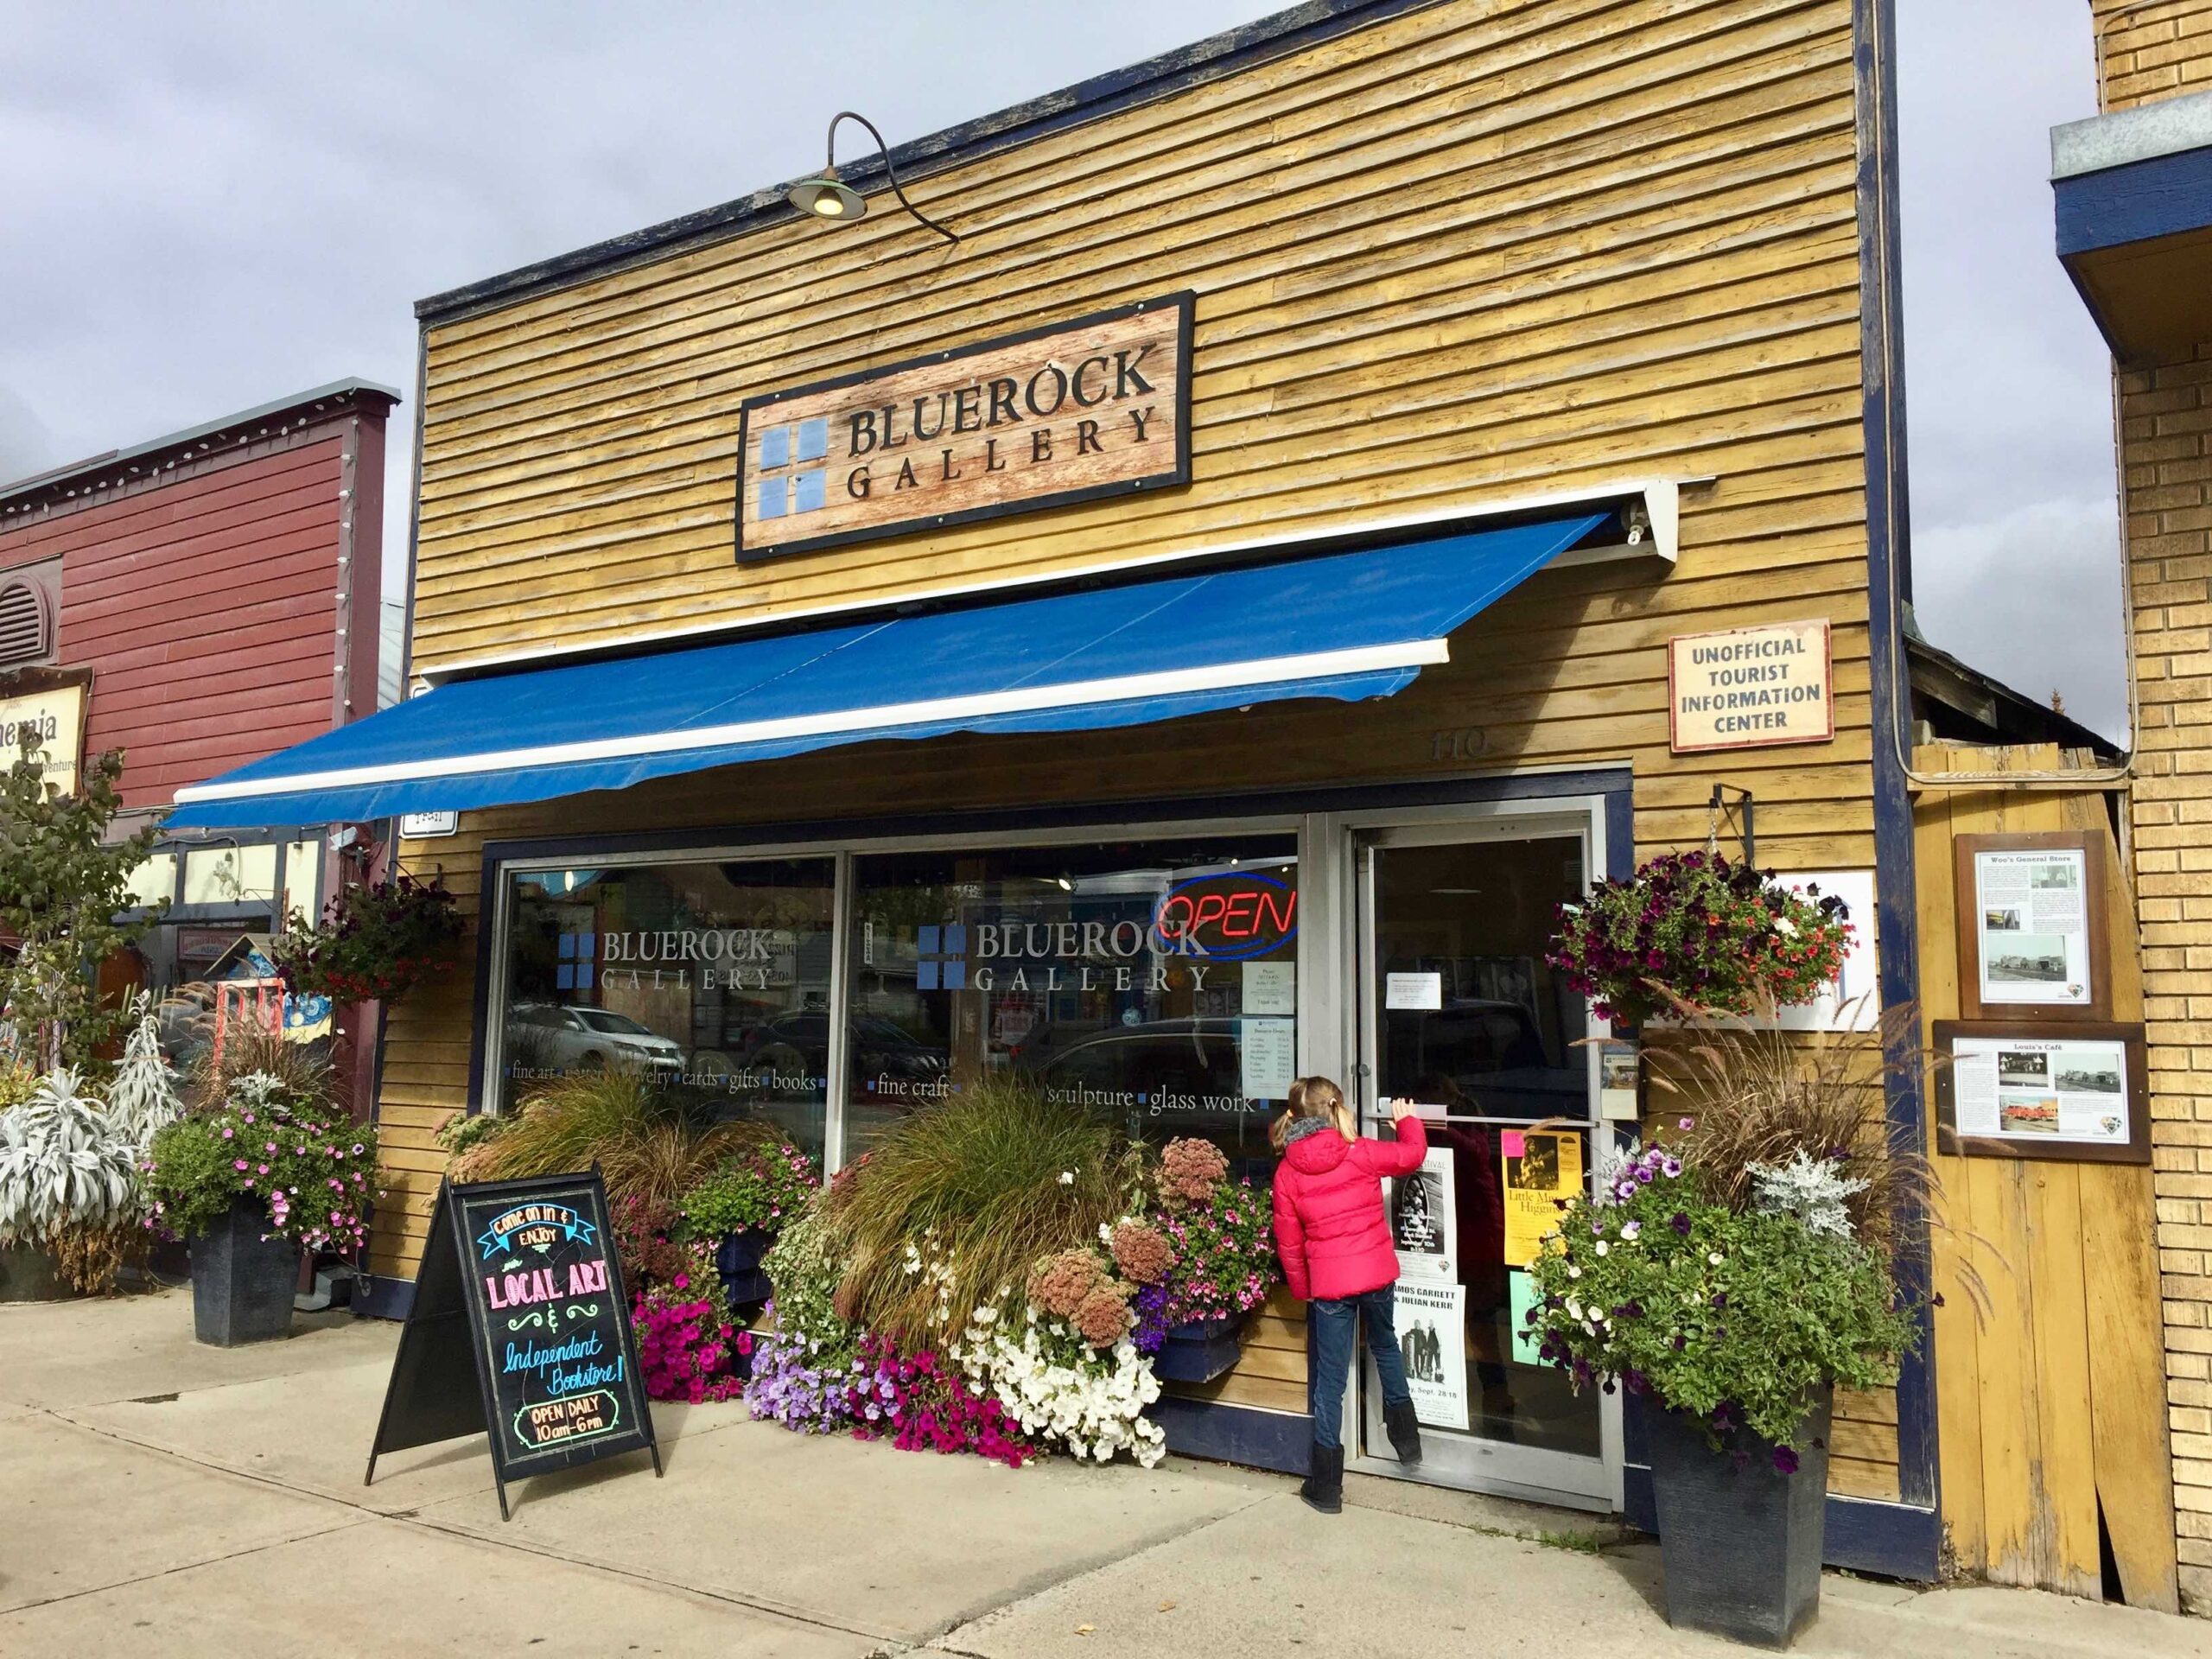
1096, 407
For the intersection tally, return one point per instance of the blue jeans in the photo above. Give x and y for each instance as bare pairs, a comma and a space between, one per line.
1332, 1321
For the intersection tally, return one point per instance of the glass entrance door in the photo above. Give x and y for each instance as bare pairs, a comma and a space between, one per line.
1461, 1022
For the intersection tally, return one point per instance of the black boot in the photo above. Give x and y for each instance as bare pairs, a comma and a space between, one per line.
1405, 1433
1325, 1486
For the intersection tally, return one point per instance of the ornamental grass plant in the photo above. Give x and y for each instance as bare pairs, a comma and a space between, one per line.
996, 1176
644, 1141
255, 1050
1754, 1097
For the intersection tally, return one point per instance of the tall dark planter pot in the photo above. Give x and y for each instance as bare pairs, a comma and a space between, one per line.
28, 1275
737, 1259
242, 1283
1741, 1542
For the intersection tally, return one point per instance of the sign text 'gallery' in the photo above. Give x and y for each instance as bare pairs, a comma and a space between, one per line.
1095, 407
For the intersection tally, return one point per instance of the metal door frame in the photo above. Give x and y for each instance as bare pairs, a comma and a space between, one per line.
1556, 1478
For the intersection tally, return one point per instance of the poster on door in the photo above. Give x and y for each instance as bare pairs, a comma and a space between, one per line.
1543, 1170
1422, 1220
1433, 1341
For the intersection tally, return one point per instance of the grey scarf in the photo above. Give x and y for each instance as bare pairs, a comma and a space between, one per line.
1301, 1127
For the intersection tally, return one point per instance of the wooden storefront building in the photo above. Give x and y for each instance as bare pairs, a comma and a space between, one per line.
199, 600
1309, 476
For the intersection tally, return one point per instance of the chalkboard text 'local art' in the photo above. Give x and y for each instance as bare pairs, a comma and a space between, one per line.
520, 1330
1095, 407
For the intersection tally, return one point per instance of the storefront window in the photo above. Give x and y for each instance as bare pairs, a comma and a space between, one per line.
713, 975
1155, 983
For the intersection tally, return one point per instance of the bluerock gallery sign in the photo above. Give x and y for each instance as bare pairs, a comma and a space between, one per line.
1096, 407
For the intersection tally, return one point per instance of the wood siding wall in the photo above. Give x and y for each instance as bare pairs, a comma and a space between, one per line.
1471, 252
205, 599
2051, 1412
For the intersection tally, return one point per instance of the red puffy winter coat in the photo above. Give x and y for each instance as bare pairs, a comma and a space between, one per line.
1331, 1228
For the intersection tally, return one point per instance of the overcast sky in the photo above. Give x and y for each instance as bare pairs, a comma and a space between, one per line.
205, 207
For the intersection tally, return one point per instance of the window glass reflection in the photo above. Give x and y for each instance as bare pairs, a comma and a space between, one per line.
1155, 983
713, 975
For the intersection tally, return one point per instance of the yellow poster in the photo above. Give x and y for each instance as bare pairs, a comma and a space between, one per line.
1543, 1168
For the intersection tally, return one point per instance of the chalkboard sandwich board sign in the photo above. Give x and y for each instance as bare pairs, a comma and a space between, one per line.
521, 1332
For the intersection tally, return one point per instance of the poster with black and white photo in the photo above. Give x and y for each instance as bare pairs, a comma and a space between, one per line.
2069, 1089
2031, 912
1421, 1220
1433, 1341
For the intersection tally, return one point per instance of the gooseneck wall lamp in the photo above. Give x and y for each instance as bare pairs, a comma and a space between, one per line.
829, 197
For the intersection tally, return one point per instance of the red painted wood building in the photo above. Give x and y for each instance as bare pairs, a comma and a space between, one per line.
198, 602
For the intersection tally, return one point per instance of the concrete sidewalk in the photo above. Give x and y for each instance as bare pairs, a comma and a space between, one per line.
164, 1498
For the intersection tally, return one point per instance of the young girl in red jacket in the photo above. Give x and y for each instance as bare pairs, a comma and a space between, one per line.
1333, 1235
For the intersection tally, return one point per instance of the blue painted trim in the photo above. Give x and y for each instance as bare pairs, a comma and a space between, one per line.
1258, 1439
1209, 60
1897, 1541
2115, 207
1889, 565
1613, 781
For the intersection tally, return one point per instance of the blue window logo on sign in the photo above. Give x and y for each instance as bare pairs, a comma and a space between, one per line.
941, 957
576, 952
788, 492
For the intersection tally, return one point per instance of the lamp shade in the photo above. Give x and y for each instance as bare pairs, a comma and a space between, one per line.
827, 197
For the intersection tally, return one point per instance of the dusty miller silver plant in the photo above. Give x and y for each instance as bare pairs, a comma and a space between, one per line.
1814, 1189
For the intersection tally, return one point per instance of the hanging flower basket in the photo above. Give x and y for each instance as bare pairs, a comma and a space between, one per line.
1694, 929
376, 942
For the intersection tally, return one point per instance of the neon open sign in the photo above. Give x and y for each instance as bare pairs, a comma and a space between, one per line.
1230, 917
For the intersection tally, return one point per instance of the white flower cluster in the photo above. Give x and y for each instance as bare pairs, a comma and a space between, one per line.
1814, 1189
1093, 1405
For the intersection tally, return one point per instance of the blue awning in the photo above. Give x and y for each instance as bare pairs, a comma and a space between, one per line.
1346, 626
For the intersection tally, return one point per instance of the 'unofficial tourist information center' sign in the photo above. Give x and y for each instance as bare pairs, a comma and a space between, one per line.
1095, 407
1750, 687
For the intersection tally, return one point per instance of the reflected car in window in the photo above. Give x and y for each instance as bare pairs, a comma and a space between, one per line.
800, 1043
565, 1039
1161, 1078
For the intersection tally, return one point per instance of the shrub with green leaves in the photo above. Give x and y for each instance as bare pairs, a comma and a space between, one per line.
755, 1192
806, 1266
304, 1167
65, 894
1732, 1317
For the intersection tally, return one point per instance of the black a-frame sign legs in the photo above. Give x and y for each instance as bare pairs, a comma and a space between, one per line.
519, 1332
